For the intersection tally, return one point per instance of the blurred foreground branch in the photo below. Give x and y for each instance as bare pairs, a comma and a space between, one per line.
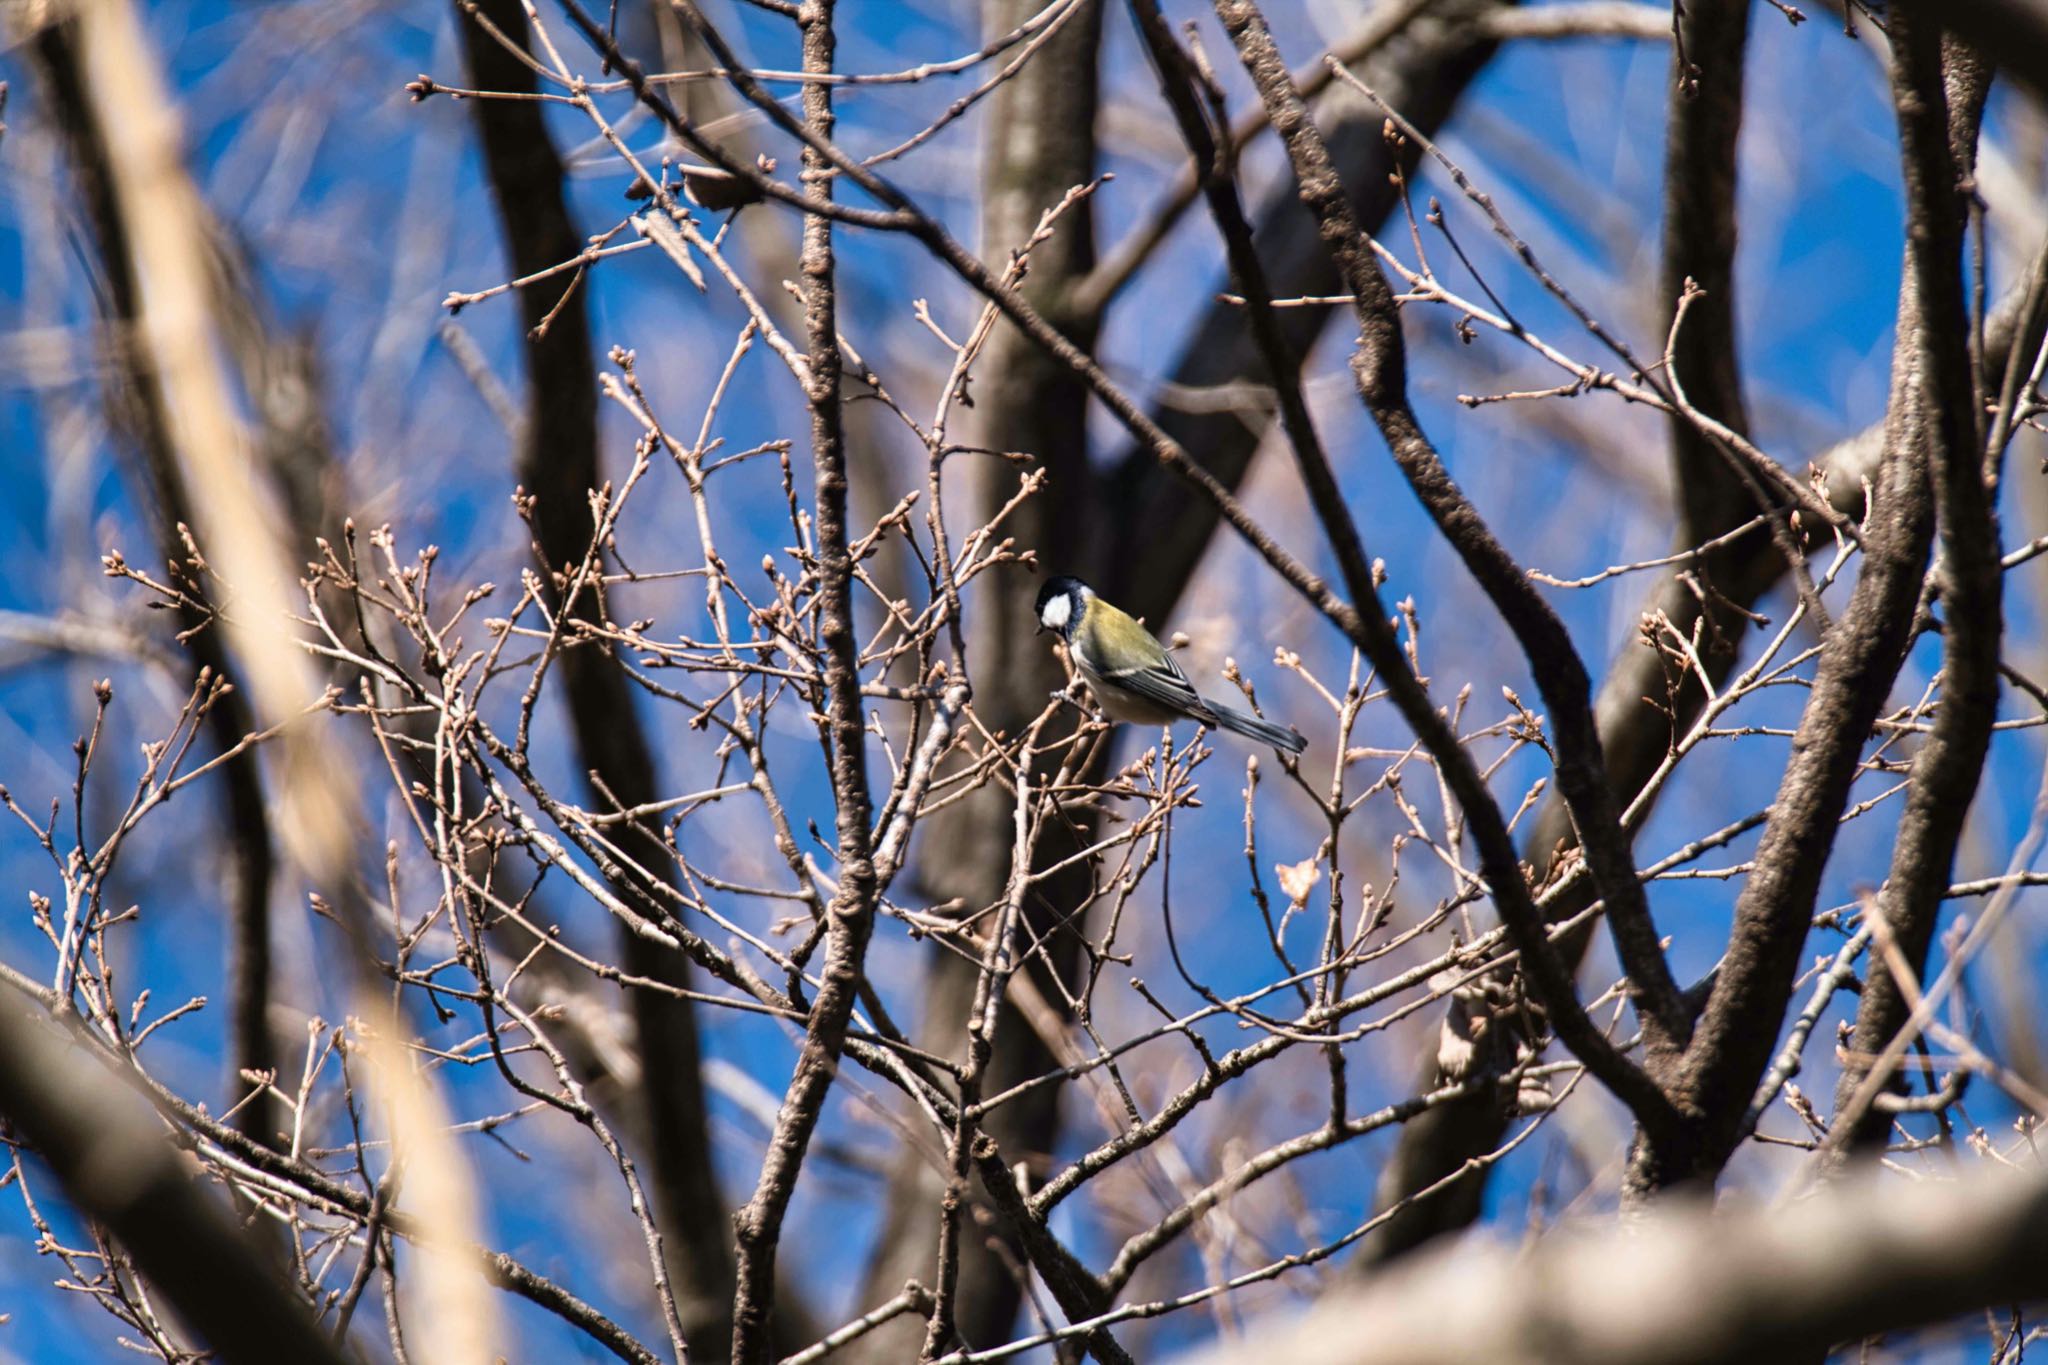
115, 1160
1689, 1287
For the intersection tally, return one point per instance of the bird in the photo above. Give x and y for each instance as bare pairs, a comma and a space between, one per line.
1131, 674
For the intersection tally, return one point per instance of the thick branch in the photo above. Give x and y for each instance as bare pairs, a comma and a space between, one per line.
1700, 180
1079, 1293
1638, 736
1380, 369
1862, 653
1948, 768
1700, 146
1692, 1288
2014, 33
116, 1163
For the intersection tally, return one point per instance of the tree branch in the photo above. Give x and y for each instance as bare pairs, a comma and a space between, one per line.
111, 1154
1689, 1287
851, 913
1039, 144
1700, 176
1638, 737
1379, 368
1862, 652
1947, 770
558, 465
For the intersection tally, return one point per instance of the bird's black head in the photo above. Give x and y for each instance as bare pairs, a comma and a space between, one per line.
1060, 603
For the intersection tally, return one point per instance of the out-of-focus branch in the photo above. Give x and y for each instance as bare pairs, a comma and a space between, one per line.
1700, 168
136, 398
1381, 26
1384, 24
1971, 579
558, 465
1580, 19
497, 1267
115, 1161
179, 331
1687, 1287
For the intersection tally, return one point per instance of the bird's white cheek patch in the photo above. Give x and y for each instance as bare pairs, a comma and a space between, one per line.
1056, 612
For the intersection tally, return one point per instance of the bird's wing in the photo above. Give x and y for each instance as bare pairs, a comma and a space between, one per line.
1164, 684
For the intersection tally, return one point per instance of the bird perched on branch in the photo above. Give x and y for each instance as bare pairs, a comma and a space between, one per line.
1130, 672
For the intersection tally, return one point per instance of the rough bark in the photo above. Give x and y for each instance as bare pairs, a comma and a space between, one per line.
1948, 767
851, 913
1438, 1143
1863, 651
1379, 367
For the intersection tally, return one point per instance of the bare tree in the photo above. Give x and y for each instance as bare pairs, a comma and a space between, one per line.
752, 940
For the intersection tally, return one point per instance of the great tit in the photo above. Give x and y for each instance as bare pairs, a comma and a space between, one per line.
1130, 672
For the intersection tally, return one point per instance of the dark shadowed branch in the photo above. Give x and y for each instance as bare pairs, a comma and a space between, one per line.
1699, 185
135, 398
114, 1158
558, 467
1379, 369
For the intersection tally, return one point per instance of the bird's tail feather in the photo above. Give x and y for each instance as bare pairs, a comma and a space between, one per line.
1279, 736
